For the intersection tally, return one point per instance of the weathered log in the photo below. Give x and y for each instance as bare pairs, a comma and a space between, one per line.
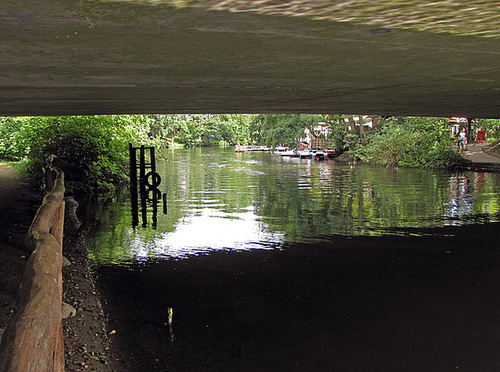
33, 340
50, 174
48, 215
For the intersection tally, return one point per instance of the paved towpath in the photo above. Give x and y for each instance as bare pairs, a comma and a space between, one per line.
475, 152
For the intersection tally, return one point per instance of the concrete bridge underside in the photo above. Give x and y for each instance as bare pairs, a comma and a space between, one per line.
439, 58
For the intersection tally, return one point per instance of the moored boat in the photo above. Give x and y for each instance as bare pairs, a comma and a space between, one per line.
301, 153
305, 154
331, 153
320, 155
239, 148
289, 152
280, 150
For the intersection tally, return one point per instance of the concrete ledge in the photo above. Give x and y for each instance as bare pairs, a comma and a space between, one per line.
484, 167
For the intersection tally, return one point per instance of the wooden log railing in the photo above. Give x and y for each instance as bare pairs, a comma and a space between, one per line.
33, 340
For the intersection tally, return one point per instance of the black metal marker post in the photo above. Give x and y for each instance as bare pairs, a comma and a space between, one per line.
148, 183
133, 185
142, 185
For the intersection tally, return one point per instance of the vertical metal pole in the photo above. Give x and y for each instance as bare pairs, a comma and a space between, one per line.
155, 208
142, 187
470, 137
153, 159
155, 193
133, 185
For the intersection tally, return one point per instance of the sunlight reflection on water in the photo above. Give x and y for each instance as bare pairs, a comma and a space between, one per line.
211, 230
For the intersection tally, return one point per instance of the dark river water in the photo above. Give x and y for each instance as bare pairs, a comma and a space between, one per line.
271, 263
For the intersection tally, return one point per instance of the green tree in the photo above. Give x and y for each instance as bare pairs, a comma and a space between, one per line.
340, 135
92, 150
166, 127
202, 130
285, 129
491, 126
234, 128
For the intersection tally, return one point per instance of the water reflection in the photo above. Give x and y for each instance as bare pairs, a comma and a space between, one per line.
219, 200
461, 203
208, 230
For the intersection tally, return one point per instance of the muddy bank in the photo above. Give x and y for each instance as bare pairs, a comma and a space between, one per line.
86, 345
87, 342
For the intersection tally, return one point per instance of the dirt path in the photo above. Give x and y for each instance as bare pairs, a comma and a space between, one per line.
18, 205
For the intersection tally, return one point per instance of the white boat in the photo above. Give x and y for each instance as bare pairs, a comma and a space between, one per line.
292, 153
240, 148
305, 154
320, 155
279, 150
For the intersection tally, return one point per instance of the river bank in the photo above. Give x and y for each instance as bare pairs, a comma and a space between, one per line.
86, 341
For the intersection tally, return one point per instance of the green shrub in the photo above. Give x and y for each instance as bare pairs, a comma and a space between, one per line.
12, 144
91, 150
422, 143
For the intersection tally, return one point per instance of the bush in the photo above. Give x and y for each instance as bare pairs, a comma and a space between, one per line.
12, 144
91, 150
418, 144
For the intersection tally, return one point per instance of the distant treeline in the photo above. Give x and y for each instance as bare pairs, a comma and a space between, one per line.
92, 150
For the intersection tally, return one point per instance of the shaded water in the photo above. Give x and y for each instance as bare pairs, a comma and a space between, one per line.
275, 263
